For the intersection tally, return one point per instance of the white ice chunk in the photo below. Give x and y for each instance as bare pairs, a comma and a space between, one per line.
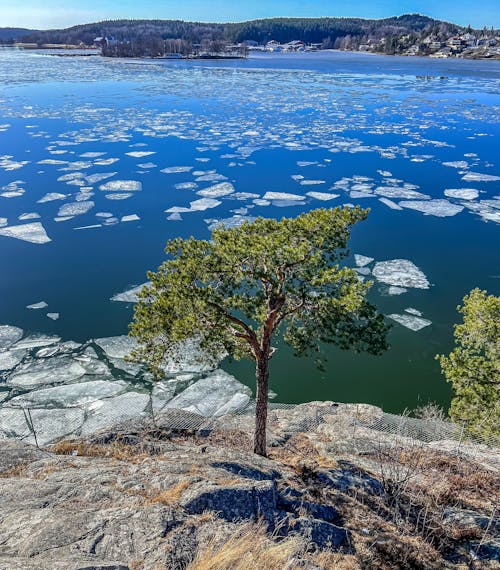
116, 346
140, 153
396, 290
396, 192
121, 186
440, 208
111, 411
325, 196
130, 218
49, 425
130, 296
51, 196
9, 335
53, 316
69, 395
99, 177
312, 182
56, 370
412, 311
410, 321
282, 196
222, 189
39, 305
36, 341
204, 204
33, 232
401, 273
457, 164
462, 193
213, 396
176, 169
75, 208
118, 196
9, 359
29, 216
362, 260
233, 222
478, 177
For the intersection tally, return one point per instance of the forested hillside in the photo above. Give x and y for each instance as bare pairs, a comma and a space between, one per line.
309, 30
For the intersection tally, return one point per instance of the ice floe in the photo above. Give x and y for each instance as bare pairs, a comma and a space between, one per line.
75, 208
362, 260
121, 186
176, 169
9, 335
69, 395
400, 273
411, 322
33, 232
57, 370
39, 305
440, 207
129, 296
213, 396
52, 196
222, 189
462, 193
325, 196
41, 426
130, 218
478, 177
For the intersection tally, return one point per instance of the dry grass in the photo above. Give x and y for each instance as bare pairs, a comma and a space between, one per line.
172, 495
115, 450
16, 471
248, 547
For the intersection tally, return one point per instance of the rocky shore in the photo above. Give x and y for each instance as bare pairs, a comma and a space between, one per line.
333, 494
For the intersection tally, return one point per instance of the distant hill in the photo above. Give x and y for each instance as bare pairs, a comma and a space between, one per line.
14, 33
310, 30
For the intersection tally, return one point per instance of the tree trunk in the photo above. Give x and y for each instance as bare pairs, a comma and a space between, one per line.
262, 376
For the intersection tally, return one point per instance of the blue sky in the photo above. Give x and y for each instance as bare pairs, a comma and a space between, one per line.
62, 13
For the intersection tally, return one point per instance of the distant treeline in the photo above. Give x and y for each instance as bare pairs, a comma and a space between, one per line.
324, 31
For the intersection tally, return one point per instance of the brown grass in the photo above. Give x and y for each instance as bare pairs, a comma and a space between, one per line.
115, 450
248, 547
172, 495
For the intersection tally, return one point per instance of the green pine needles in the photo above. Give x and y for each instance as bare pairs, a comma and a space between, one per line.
238, 291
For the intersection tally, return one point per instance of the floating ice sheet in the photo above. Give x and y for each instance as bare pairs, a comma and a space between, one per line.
411, 322
39, 305
51, 196
9, 335
204, 204
213, 396
130, 296
33, 232
325, 196
176, 169
362, 260
69, 395
282, 196
462, 193
401, 273
440, 208
121, 186
56, 370
222, 189
75, 208
478, 177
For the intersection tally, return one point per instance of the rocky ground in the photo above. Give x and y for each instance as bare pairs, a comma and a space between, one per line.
331, 494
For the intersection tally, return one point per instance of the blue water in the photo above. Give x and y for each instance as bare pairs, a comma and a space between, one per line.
351, 114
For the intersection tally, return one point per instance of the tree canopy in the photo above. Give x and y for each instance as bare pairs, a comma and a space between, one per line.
245, 285
473, 366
